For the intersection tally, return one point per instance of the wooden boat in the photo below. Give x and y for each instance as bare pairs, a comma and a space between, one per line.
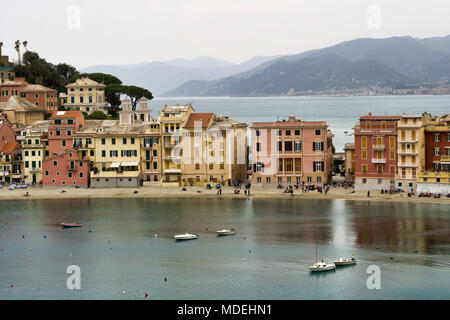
226, 232
70, 225
186, 236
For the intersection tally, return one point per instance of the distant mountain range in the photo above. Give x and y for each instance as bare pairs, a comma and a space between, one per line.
159, 77
395, 62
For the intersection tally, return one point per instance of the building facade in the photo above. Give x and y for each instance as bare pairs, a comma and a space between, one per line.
21, 111
376, 152
291, 152
36, 94
435, 178
11, 163
349, 156
85, 95
410, 150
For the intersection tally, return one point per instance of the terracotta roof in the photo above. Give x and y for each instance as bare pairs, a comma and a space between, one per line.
19, 104
85, 82
9, 147
37, 87
66, 114
205, 118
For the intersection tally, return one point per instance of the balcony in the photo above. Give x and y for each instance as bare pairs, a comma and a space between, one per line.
169, 157
379, 160
72, 168
80, 146
408, 152
378, 147
172, 133
408, 140
34, 170
445, 158
407, 165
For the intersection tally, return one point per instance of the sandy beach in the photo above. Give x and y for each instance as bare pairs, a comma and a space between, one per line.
193, 192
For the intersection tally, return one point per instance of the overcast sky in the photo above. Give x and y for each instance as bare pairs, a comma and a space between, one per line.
89, 32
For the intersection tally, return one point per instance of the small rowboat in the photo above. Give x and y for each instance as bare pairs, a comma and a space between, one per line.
186, 236
345, 262
226, 232
70, 225
322, 266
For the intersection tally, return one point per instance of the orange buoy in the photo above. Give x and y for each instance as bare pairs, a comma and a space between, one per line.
12, 286
31, 249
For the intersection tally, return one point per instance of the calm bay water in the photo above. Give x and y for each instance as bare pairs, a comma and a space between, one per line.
279, 233
341, 113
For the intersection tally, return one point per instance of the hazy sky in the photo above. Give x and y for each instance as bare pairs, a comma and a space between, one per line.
88, 32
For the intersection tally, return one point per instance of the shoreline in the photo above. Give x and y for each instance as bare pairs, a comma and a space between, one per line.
39, 193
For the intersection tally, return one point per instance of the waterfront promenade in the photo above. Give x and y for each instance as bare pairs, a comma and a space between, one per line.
201, 192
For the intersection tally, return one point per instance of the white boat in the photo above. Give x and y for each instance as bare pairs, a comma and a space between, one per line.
186, 236
226, 232
322, 266
345, 262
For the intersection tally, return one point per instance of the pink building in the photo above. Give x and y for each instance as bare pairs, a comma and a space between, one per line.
7, 133
65, 169
60, 131
291, 152
64, 166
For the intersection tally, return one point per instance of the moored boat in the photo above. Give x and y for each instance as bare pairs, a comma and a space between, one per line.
70, 225
345, 262
322, 266
186, 236
226, 232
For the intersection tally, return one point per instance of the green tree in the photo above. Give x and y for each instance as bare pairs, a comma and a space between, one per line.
17, 47
97, 115
136, 93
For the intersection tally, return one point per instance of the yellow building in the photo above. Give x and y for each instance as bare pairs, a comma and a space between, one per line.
34, 150
11, 163
172, 120
124, 152
85, 95
436, 176
349, 151
214, 150
19, 110
410, 150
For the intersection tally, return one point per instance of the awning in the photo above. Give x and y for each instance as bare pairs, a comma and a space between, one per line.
115, 165
130, 164
172, 171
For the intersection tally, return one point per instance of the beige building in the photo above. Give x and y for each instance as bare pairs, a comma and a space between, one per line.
213, 150
85, 95
124, 152
410, 150
172, 121
349, 151
19, 110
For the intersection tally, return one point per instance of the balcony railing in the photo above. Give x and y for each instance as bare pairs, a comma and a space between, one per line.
379, 160
378, 147
408, 152
34, 170
408, 165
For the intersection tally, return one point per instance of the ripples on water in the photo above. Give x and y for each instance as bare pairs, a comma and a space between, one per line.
277, 238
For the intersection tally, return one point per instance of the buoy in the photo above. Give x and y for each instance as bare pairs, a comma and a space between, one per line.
45, 236
28, 260
156, 235
23, 236
146, 294
31, 249
124, 292
165, 279
231, 276
392, 258
90, 231
12, 285
243, 259
250, 250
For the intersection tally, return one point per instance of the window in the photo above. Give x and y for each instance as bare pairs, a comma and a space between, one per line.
392, 142
70, 121
113, 153
70, 175
437, 151
297, 146
368, 124
258, 180
288, 146
267, 179
113, 140
63, 142
297, 132
58, 133
124, 141
319, 179
132, 140
103, 153
318, 132
364, 154
103, 141
46, 173
364, 181
279, 133
364, 168
258, 147
437, 137
288, 132
81, 98
318, 166
280, 179
211, 166
380, 181
257, 133
379, 169
197, 166
58, 121
280, 146
81, 174
364, 142
55, 163
392, 155
317, 146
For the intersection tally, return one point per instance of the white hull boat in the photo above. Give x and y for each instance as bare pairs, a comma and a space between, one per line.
226, 232
345, 262
186, 236
322, 266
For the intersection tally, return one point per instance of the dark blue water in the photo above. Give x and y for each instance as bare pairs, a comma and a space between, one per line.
280, 234
341, 113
